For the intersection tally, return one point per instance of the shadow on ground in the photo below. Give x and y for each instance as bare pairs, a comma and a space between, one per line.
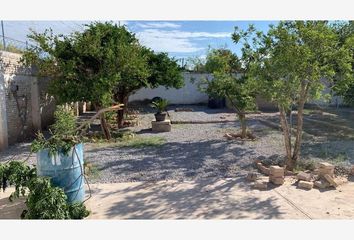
174, 160
203, 199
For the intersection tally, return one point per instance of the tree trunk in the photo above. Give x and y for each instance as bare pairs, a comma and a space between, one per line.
104, 127
298, 140
120, 114
287, 138
103, 123
241, 115
242, 118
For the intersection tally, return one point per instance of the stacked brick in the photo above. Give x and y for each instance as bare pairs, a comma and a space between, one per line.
276, 175
325, 169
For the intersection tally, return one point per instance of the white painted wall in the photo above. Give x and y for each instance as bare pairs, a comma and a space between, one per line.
189, 94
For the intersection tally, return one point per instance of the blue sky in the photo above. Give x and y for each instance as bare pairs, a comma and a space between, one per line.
180, 39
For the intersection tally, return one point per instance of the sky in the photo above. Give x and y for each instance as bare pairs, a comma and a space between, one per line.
180, 39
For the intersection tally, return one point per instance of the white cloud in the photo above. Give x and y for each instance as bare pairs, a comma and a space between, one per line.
159, 25
175, 40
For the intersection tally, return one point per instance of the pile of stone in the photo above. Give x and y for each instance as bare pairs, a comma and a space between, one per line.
276, 175
323, 177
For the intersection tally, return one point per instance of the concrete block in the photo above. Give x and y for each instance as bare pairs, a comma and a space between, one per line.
331, 181
304, 176
163, 126
263, 169
276, 169
276, 172
325, 165
277, 181
260, 185
305, 184
321, 184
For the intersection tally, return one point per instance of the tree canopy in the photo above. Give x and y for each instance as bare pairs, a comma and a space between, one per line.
103, 64
299, 59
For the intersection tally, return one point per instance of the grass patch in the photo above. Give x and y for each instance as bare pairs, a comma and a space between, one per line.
140, 142
305, 165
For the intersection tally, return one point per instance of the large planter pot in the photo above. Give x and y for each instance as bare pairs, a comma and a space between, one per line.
160, 117
65, 171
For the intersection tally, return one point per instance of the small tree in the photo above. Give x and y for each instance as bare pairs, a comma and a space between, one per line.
159, 70
231, 75
344, 78
298, 60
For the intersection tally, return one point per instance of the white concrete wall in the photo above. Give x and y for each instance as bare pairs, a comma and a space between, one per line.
189, 94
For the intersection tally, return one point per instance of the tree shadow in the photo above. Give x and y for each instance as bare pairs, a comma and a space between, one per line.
173, 160
201, 199
11, 210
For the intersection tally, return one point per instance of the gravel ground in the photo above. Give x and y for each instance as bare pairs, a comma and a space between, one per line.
191, 151
197, 151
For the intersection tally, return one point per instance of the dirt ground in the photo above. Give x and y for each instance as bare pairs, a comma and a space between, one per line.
207, 199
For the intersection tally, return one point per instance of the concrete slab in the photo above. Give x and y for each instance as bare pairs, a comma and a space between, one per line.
207, 199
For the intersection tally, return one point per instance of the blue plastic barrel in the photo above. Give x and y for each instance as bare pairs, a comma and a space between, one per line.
65, 171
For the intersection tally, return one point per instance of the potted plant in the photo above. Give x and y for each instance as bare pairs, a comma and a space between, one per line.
160, 105
60, 156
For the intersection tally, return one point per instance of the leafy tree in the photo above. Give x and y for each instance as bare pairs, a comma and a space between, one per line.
159, 70
344, 80
231, 80
83, 66
297, 60
103, 64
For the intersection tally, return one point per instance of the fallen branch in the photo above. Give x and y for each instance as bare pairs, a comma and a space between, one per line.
101, 111
238, 136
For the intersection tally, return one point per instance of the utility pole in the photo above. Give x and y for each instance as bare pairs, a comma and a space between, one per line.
3, 34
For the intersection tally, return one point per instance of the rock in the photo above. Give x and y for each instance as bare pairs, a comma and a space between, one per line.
257, 161
277, 181
263, 169
352, 170
321, 184
305, 184
326, 168
325, 165
341, 180
276, 171
252, 176
261, 185
289, 173
304, 176
161, 126
330, 180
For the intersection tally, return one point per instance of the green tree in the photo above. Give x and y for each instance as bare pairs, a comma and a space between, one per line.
298, 60
83, 66
344, 80
102, 64
231, 80
160, 70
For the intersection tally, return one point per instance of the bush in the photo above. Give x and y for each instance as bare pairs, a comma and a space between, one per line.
44, 201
